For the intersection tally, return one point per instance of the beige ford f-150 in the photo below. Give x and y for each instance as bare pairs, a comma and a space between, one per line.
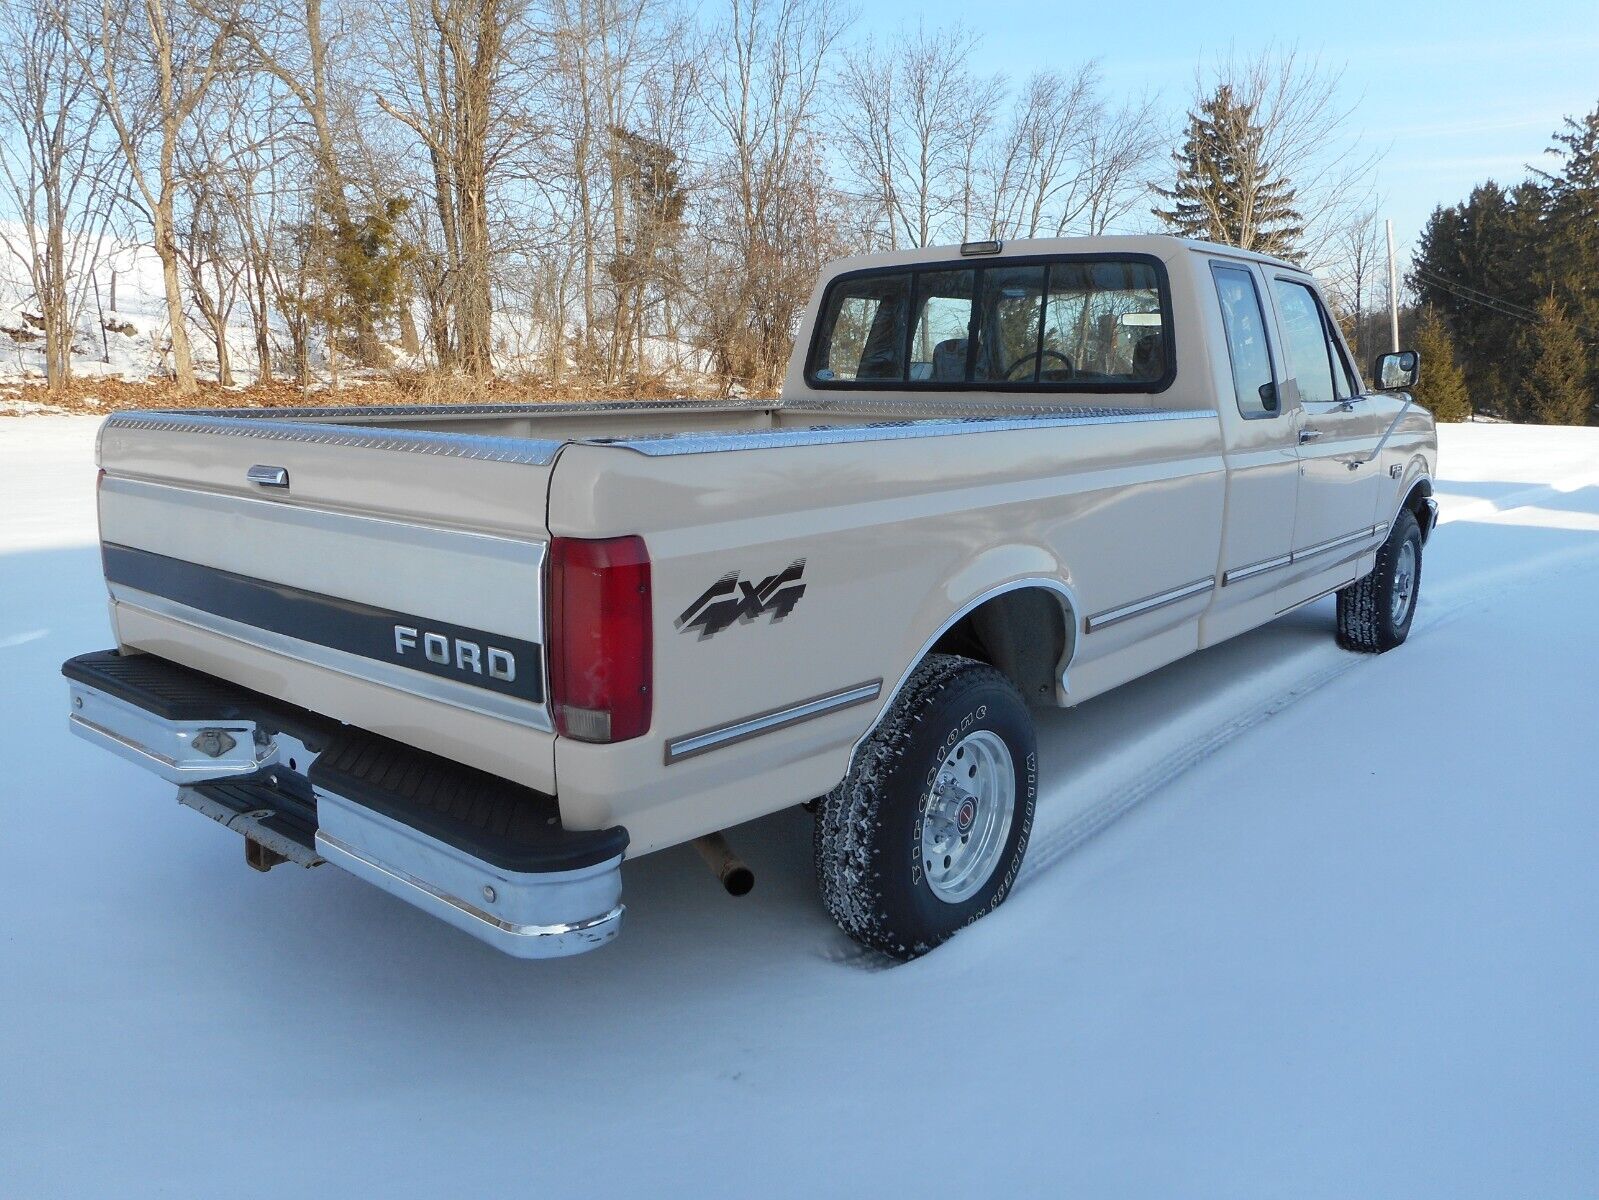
480, 655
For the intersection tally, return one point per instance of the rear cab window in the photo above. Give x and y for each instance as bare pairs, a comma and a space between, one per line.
1072, 323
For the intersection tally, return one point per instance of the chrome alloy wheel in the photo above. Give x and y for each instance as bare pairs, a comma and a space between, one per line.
1404, 593
968, 816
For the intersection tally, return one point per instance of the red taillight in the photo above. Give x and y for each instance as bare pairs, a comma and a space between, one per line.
600, 650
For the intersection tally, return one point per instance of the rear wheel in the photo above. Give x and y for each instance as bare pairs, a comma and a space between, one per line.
927, 831
1374, 614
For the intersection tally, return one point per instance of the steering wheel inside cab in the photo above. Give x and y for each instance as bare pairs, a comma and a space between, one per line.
1046, 374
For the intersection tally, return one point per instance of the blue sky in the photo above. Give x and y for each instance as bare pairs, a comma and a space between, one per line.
1451, 93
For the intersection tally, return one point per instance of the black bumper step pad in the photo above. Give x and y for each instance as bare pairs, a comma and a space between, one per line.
492, 819
176, 693
503, 823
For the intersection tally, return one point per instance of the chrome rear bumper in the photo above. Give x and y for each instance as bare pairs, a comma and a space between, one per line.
181, 752
477, 852
526, 915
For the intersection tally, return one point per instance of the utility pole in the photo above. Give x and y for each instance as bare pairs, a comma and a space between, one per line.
1393, 290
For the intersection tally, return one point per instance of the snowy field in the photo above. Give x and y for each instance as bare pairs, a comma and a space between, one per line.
1296, 923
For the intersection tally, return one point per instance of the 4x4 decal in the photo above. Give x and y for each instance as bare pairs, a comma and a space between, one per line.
732, 599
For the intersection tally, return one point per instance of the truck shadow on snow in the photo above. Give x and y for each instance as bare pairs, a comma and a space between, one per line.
170, 884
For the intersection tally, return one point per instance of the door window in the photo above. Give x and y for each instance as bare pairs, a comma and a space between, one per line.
1309, 353
1244, 318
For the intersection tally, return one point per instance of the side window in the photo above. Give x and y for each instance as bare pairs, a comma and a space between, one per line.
1245, 321
1007, 334
1347, 381
862, 331
1309, 353
943, 319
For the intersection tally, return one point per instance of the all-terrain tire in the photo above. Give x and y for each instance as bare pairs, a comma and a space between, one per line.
869, 839
1367, 621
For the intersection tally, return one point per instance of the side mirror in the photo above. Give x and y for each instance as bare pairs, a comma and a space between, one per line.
1268, 397
1396, 372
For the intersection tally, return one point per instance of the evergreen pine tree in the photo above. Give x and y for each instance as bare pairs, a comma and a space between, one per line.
1442, 386
1476, 264
1570, 238
1226, 189
1554, 384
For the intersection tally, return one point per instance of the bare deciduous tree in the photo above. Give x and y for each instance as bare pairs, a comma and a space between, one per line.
60, 181
767, 220
453, 59
152, 63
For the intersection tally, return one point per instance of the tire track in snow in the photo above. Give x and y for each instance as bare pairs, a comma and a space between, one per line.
1440, 607
1323, 665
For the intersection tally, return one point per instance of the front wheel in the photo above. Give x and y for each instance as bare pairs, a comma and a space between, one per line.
927, 831
1374, 613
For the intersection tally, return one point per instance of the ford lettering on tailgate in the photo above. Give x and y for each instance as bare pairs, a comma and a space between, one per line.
491, 661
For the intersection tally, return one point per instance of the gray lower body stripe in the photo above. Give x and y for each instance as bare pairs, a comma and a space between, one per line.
777, 718
391, 675
1149, 604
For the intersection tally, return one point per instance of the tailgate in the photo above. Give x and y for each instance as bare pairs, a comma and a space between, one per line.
390, 579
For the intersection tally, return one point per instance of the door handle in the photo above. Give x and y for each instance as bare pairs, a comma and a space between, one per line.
1308, 435
265, 476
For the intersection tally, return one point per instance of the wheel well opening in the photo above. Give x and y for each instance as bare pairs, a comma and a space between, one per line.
1024, 633
1416, 502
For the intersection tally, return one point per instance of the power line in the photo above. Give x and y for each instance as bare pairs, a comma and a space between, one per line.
1503, 308
1487, 297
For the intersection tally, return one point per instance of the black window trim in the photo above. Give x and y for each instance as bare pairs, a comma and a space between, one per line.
1266, 330
1094, 387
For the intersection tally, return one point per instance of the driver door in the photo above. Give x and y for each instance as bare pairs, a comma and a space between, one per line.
1337, 432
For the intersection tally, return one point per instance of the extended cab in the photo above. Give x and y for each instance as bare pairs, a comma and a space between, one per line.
480, 655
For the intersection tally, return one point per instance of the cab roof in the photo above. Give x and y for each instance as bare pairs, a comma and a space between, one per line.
1158, 245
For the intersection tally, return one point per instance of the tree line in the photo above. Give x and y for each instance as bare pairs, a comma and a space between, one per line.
593, 189
1507, 285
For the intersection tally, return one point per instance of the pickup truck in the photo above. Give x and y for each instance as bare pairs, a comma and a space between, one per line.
481, 655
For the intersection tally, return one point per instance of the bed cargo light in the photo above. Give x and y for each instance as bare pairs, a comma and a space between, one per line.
601, 653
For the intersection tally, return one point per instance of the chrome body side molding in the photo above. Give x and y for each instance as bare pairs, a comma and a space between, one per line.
1237, 574
1138, 608
1359, 535
778, 718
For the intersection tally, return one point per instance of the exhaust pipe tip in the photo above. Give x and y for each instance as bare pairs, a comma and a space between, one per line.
731, 871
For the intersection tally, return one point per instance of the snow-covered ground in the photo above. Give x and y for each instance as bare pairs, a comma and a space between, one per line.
1296, 924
